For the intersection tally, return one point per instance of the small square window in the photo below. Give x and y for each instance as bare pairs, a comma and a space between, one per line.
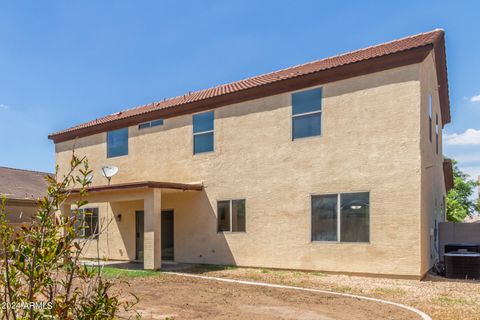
87, 225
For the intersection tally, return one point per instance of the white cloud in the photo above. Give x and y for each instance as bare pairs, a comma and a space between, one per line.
470, 136
467, 158
473, 172
475, 98
4, 106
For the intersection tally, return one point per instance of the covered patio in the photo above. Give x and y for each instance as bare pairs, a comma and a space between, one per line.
129, 216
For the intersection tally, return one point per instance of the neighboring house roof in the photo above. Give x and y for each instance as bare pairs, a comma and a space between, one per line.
384, 56
18, 184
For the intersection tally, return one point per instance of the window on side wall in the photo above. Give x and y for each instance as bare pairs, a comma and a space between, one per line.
87, 224
436, 133
117, 143
430, 117
231, 216
341, 217
306, 113
150, 124
203, 132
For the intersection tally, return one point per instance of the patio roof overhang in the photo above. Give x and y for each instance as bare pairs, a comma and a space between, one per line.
143, 185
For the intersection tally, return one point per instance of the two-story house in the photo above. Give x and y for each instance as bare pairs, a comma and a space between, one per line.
333, 165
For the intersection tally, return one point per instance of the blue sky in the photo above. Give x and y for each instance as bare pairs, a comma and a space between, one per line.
66, 62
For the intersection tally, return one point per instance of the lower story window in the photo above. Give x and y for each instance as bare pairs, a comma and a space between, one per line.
343, 217
231, 215
87, 224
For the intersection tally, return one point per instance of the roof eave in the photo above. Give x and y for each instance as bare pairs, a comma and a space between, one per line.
442, 77
381, 63
21, 201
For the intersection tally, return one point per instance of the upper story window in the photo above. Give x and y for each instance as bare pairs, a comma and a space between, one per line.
436, 133
341, 217
154, 123
306, 113
231, 215
430, 117
203, 132
117, 143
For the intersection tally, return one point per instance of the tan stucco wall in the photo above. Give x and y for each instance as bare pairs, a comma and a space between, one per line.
117, 235
370, 142
20, 212
433, 183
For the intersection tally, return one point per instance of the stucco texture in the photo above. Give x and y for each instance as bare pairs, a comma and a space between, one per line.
372, 140
433, 183
19, 212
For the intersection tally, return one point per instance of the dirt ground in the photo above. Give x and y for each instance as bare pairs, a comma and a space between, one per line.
176, 297
442, 299
166, 296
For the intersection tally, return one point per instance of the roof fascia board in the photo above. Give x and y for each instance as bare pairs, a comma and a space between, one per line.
399, 59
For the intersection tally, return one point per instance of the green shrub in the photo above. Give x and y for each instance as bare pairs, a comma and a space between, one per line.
42, 275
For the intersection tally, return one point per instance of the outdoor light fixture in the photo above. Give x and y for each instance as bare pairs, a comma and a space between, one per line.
119, 217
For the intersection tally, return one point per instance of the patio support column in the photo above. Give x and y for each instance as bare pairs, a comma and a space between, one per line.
152, 254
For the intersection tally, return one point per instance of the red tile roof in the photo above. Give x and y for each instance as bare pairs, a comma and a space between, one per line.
431, 39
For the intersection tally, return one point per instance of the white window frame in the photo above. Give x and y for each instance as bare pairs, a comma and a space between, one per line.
339, 218
230, 206
95, 234
150, 124
306, 114
203, 132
